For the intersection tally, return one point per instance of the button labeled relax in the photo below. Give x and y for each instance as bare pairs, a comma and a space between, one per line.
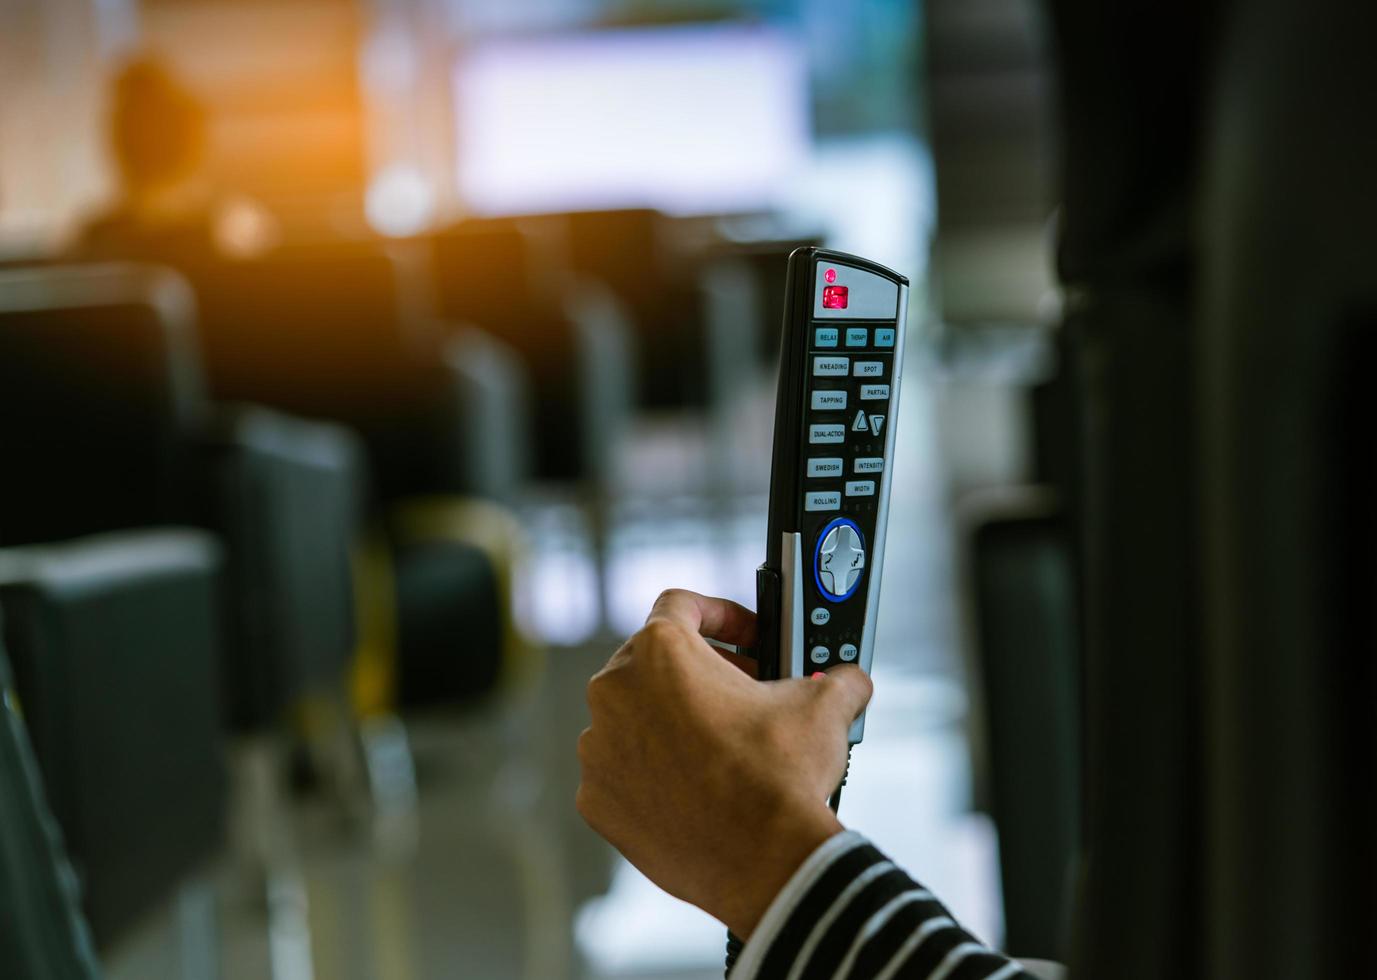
822, 500
829, 401
824, 466
824, 434
830, 367
825, 337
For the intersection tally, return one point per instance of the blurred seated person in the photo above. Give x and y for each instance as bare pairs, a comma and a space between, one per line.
167, 209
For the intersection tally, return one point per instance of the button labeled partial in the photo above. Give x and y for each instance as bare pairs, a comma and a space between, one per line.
870, 393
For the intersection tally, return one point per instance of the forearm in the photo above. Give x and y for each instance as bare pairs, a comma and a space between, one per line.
850, 912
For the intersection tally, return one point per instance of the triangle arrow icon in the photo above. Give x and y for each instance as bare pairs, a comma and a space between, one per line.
876, 424
859, 424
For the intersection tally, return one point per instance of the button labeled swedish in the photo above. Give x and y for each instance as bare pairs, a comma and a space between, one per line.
860, 488
819, 616
869, 464
824, 466
819, 654
829, 401
830, 367
884, 336
857, 336
867, 369
826, 434
822, 500
825, 337
870, 393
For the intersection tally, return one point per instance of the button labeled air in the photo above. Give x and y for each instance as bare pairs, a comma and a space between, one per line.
884, 336
848, 652
824, 466
819, 616
831, 367
869, 464
866, 369
829, 401
870, 393
826, 434
857, 336
825, 337
860, 488
819, 654
822, 500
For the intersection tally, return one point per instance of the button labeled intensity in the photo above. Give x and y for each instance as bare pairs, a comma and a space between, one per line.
825, 434
822, 500
866, 369
825, 337
819, 616
877, 422
870, 393
858, 424
857, 336
819, 654
884, 336
848, 652
824, 466
869, 464
829, 401
860, 488
830, 367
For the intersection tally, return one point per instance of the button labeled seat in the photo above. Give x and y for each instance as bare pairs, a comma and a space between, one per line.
819, 616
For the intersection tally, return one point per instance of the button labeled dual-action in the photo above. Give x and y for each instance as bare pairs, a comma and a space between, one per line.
868, 464
864, 369
825, 337
870, 393
829, 401
824, 466
831, 367
822, 435
816, 500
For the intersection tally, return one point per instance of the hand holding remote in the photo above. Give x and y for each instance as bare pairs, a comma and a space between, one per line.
710, 782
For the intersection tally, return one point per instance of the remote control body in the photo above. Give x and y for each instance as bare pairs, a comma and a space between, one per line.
836, 405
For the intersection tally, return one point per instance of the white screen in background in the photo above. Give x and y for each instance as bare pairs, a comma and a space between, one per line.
692, 120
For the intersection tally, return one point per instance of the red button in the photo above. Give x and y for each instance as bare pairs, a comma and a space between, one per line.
834, 297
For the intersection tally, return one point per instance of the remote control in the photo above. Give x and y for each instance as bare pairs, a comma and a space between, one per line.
819, 587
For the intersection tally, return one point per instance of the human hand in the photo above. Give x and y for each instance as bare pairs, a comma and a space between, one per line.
710, 782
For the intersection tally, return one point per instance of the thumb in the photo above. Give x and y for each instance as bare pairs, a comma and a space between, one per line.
844, 690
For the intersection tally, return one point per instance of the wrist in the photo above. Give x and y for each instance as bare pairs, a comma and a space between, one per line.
777, 848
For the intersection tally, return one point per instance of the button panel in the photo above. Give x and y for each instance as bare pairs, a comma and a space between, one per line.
847, 408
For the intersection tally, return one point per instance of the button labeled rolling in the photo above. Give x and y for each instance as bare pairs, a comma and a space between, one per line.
816, 500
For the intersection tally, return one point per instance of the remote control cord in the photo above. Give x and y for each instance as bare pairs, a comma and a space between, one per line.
734, 943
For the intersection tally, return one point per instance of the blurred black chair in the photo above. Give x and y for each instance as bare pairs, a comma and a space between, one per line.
105, 424
43, 932
570, 333
1027, 666
115, 651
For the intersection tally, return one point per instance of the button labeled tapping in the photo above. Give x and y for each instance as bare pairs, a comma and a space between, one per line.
870, 393
819, 654
877, 422
859, 424
848, 652
819, 616
829, 401
824, 466
831, 367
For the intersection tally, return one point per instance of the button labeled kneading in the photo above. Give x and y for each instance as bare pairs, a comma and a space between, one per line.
831, 367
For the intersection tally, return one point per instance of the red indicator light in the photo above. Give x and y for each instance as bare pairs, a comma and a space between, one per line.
830, 275
834, 297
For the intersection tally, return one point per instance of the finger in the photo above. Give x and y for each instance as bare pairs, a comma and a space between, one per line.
720, 619
845, 690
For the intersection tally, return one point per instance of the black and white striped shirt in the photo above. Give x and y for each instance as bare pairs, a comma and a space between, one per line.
849, 913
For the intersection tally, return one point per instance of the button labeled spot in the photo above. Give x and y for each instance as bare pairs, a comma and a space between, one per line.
866, 369
831, 367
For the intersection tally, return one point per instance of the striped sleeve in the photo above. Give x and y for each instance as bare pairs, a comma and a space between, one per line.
849, 913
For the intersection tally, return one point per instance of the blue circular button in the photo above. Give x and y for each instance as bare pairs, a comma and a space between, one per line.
825, 592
